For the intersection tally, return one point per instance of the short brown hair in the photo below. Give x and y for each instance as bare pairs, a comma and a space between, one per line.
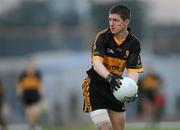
121, 10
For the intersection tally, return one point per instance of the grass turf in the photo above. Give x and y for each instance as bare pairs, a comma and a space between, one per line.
126, 129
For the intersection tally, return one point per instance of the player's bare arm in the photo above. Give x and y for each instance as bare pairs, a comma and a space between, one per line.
134, 76
100, 68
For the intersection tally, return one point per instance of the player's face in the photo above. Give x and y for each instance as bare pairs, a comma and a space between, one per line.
117, 24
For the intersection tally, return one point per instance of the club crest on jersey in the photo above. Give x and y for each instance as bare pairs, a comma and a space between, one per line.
127, 54
110, 51
118, 49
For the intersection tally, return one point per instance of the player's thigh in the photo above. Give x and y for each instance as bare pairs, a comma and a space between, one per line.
117, 119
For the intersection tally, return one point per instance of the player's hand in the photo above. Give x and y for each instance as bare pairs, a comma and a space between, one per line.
114, 81
132, 99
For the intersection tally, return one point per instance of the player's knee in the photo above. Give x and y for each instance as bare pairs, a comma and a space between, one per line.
105, 125
101, 119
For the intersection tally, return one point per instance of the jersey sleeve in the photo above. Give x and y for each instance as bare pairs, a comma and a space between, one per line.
134, 60
98, 47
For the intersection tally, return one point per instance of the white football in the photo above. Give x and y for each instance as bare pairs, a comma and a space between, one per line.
127, 90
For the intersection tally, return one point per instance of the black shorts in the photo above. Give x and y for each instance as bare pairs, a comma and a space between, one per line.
97, 95
30, 97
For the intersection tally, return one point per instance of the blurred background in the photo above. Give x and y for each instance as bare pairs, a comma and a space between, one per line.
58, 35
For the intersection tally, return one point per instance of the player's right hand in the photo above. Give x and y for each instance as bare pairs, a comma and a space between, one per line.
114, 81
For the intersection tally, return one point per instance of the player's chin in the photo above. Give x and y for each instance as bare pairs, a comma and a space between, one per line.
113, 32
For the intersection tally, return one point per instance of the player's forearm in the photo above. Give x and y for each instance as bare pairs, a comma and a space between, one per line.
100, 68
134, 76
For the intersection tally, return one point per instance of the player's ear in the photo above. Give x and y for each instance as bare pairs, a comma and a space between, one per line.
126, 21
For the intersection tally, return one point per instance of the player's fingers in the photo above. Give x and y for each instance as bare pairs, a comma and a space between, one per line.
118, 81
115, 88
118, 86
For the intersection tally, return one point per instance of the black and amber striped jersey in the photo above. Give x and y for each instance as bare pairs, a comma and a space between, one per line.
30, 81
116, 55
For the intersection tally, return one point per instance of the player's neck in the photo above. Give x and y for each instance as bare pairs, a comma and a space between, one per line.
122, 35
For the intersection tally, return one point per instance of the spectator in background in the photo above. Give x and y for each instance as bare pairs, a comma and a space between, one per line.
29, 89
151, 99
160, 103
2, 117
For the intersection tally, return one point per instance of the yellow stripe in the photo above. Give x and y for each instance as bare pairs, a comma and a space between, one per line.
150, 82
114, 65
97, 58
136, 70
119, 42
30, 82
87, 104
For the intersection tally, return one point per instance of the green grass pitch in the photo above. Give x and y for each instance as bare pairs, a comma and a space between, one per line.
126, 129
